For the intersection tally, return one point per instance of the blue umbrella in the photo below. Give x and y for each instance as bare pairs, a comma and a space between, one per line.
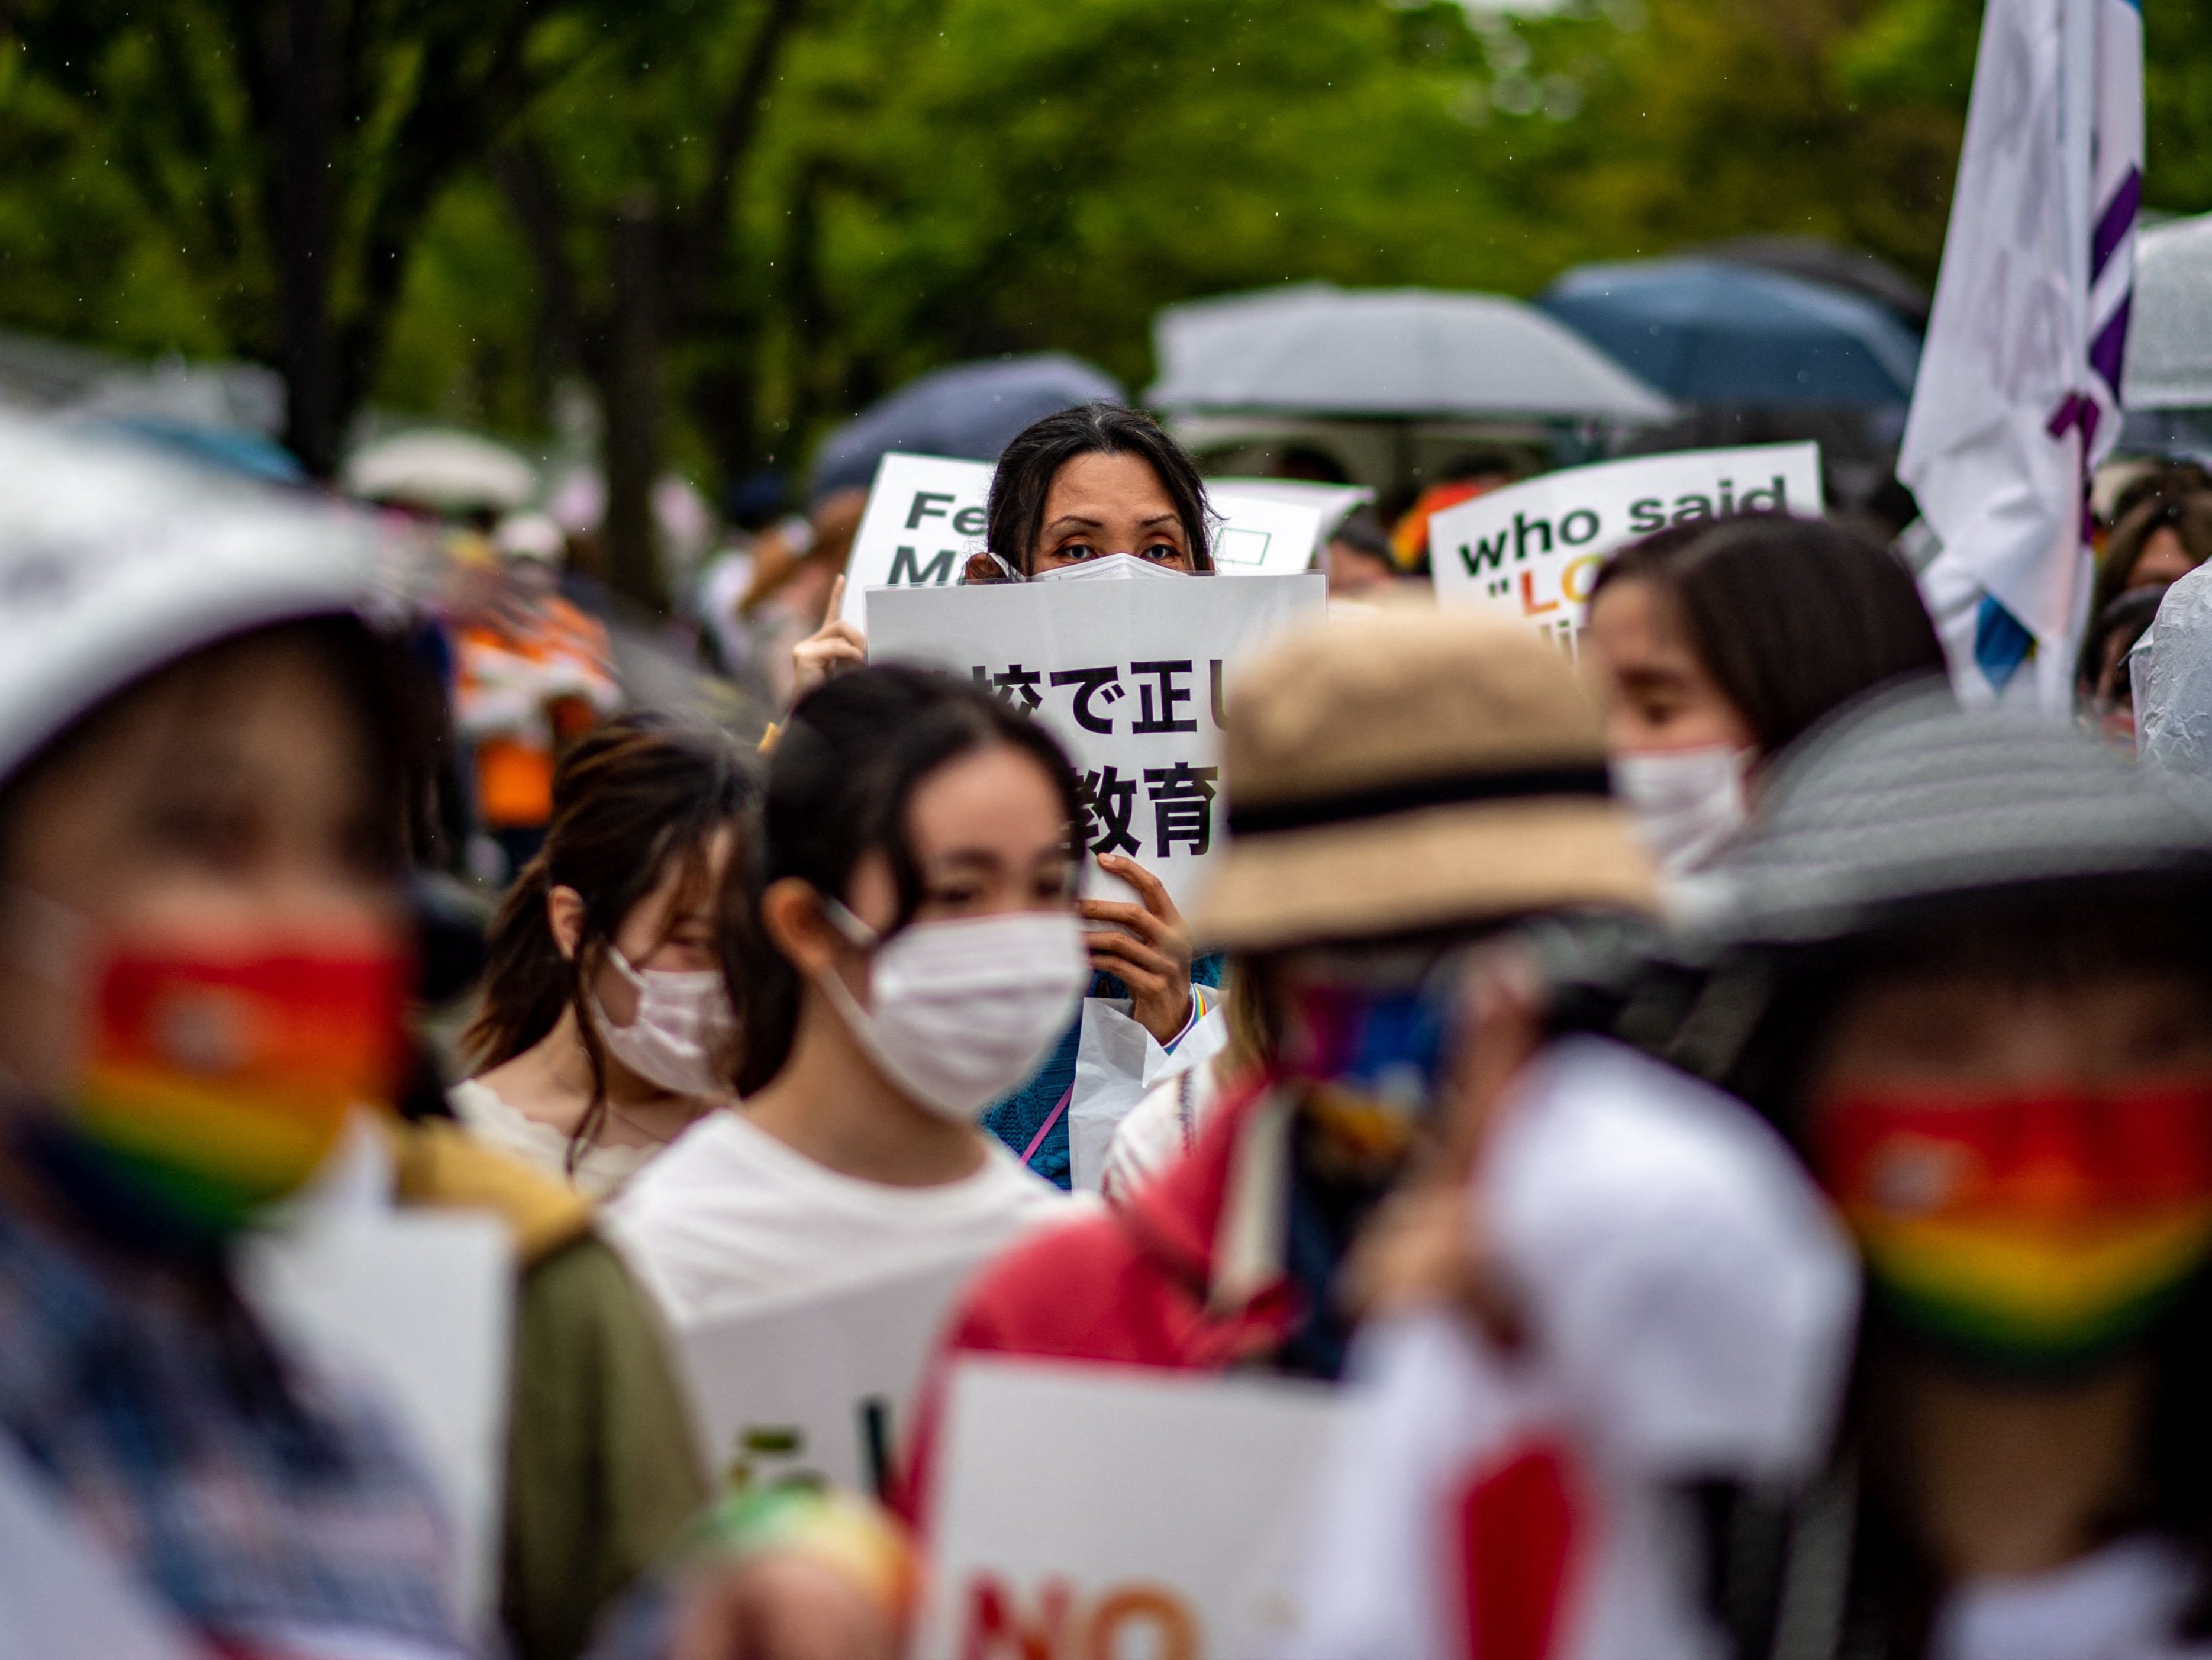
1711, 331
971, 409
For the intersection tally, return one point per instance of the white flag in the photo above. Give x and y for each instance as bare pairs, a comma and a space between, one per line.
2019, 394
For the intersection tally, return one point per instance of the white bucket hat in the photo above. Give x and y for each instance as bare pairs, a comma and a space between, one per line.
115, 560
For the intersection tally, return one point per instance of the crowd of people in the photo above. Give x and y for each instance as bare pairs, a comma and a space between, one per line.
1798, 1088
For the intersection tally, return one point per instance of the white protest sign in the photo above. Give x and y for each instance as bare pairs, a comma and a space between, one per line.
817, 1385
1088, 1511
925, 516
1333, 503
1128, 675
1261, 535
1529, 551
420, 1304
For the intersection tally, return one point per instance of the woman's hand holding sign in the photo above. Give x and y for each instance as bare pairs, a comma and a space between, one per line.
835, 644
1148, 949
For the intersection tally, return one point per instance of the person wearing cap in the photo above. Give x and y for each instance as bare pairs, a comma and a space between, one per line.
1960, 961
1399, 786
204, 758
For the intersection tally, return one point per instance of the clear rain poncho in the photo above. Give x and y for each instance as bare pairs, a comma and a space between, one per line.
2171, 668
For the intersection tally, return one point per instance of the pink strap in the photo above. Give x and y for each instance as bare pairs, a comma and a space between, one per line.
1045, 1128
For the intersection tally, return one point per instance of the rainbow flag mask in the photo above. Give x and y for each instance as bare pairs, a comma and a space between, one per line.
2043, 1230
219, 1084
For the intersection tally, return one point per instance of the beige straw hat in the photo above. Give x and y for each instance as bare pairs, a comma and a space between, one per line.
1410, 770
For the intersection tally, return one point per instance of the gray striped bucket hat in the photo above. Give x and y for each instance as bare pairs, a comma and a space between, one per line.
1909, 800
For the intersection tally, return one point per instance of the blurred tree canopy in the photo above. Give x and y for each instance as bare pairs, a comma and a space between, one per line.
894, 184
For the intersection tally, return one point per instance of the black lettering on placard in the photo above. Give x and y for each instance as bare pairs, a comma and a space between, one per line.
1521, 527
1647, 515
921, 508
1108, 802
1182, 806
1219, 725
1689, 509
1105, 684
1582, 515
970, 521
1727, 500
1777, 498
1162, 718
1018, 680
907, 570
1487, 551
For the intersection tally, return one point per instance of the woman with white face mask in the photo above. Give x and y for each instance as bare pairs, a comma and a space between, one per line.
606, 1027
1715, 645
922, 954
1097, 493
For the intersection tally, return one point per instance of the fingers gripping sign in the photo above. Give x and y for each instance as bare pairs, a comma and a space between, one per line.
1146, 946
834, 647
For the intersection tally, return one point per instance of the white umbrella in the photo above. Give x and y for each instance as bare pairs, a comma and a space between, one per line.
1397, 354
2169, 363
450, 472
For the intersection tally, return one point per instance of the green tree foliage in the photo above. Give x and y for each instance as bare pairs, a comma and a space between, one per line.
931, 179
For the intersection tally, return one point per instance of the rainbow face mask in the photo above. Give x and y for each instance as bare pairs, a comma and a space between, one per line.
2043, 1230
217, 1085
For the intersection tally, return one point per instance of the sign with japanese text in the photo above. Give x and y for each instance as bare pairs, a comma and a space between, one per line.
925, 515
1087, 1510
1129, 676
817, 1387
1530, 551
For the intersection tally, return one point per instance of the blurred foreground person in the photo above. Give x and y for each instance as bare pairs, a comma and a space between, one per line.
919, 953
1965, 957
1399, 785
606, 1025
204, 972
1715, 646
203, 954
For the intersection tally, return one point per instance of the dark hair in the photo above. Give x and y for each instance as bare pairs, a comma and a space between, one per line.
2190, 516
2127, 618
640, 792
843, 775
1792, 617
1029, 465
1362, 532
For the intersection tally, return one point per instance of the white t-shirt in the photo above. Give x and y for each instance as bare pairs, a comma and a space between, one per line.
599, 1172
729, 1217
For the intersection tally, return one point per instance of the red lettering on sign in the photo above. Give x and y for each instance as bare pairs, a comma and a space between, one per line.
996, 1631
1529, 605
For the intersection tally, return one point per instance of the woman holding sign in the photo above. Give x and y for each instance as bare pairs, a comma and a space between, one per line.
1091, 493
1717, 645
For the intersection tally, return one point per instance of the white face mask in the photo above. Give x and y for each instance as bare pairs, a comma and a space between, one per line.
961, 1011
1106, 568
684, 1033
1689, 804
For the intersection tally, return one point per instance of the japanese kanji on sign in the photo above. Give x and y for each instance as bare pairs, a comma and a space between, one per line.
1132, 686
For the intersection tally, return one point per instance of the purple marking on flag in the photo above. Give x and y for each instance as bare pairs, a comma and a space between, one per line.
2109, 350
2114, 223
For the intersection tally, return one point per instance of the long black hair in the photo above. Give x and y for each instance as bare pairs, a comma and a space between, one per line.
845, 770
1028, 465
643, 792
1792, 617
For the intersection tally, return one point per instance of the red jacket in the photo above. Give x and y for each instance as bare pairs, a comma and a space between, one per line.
1185, 1273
